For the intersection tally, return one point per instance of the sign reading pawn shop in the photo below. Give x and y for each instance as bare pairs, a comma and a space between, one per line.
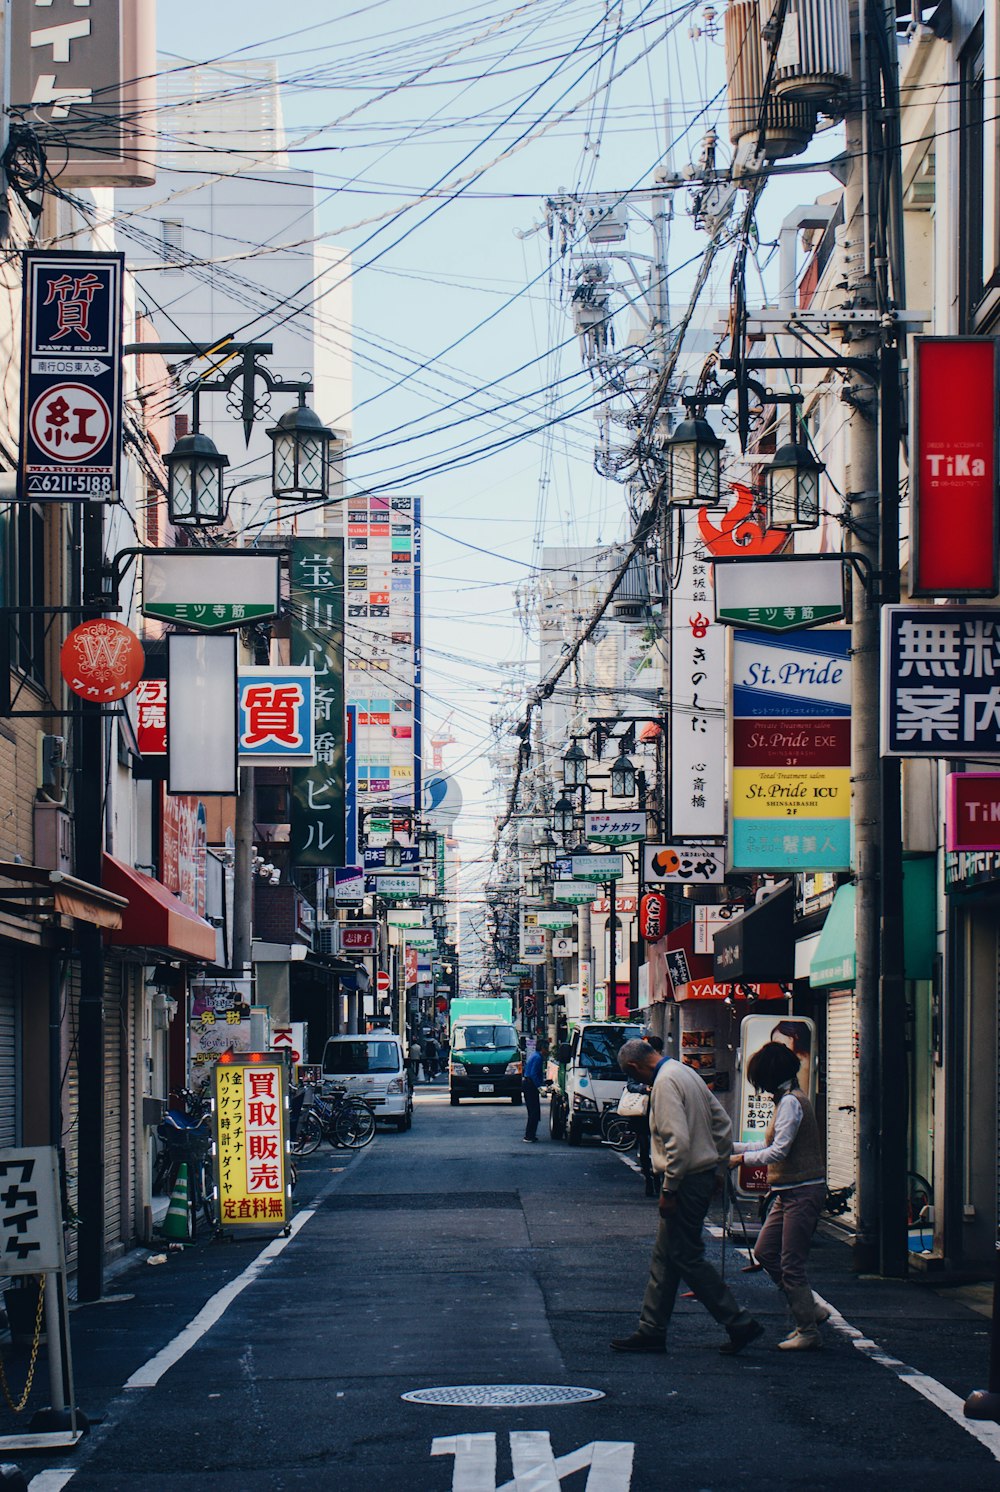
250, 1114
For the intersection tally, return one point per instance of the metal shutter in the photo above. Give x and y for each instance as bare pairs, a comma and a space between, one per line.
841, 1094
8, 1050
114, 1019
70, 1100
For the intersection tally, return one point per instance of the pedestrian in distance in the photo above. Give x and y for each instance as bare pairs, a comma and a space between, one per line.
415, 1055
430, 1058
640, 1127
531, 1082
691, 1138
796, 1176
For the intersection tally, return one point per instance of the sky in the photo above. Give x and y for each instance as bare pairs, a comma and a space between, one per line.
435, 132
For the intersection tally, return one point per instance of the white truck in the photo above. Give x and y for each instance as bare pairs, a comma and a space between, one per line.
587, 1080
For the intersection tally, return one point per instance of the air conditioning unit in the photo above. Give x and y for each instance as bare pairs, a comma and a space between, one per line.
53, 828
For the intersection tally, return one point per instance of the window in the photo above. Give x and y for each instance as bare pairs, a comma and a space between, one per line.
483, 1038
972, 177
23, 537
601, 1045
355, 1058
172, 240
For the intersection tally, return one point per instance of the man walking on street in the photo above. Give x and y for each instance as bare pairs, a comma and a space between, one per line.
534, 1077
691, 1137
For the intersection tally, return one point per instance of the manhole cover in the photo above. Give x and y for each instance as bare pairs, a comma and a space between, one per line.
502, 1395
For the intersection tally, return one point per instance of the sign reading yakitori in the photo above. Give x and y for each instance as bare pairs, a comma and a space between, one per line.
694, 863
101, 660
940, 681
953, 467
71, 398
972, 815
791, 754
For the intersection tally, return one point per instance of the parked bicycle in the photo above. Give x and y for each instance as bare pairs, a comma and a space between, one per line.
342, 1118
189, 1145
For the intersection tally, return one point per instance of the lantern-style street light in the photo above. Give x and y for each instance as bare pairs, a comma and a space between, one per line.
547, 849
301, 447
195, 496
575, 766
693, 468
562, 816
427, 842
393, 853
791, 486
623, 777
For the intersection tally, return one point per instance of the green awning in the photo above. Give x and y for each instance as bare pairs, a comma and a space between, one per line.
919, 917
835, 959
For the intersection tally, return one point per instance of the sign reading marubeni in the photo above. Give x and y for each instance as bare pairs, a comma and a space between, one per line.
83, 75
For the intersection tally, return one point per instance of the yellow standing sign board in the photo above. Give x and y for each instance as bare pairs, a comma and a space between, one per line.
251, 1150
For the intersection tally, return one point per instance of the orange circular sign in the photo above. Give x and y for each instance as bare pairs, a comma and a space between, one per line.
102, 660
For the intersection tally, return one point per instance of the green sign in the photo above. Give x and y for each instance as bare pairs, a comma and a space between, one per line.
577, 893
208, 591
317, 640
780, 593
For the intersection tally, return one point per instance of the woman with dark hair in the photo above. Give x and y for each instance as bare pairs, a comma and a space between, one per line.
795, 1173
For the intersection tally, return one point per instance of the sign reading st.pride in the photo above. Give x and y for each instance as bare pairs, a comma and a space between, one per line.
791, 784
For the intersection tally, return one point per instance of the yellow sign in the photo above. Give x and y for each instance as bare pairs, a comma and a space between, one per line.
250, 1143
790, 792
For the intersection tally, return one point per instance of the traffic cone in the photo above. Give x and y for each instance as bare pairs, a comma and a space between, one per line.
177, 1223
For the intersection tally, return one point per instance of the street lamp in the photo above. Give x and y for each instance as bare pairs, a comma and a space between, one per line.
393, 854
623, 777
562, 816
437, 910
300, 454
195, 497
692, 457
532, 884
791, 486
575, 767
547, 849
427, 840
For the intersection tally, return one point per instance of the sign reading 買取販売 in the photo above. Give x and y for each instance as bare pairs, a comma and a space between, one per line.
953, 467
940, 681
250, 1142
791, 751
70, 447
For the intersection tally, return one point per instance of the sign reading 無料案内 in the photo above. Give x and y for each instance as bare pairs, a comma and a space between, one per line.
791, 779
71, 397
250, 1143
940, 681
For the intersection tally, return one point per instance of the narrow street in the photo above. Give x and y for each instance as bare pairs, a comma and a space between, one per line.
457, 1255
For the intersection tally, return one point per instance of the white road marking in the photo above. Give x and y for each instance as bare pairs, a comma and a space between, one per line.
51, 1481
536, 1469
934, 1392
627, 1160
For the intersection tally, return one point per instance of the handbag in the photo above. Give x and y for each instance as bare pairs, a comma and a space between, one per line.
633, 1105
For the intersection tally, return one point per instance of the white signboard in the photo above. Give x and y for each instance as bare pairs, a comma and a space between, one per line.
554, 917
576, 893
697, 714
586, 990
598, 868
780, 594
292, 1039
563, 947
708, 920
31, 1235
614, 828
692, 864
206, 589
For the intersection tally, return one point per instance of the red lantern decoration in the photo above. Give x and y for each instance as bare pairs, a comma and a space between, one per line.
102, 660
653, 916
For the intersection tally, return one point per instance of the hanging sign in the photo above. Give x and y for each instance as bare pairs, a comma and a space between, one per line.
614, 828
708, 920
696, 863
711, 989
791, 778
972, 816
953, 467
653, 916
319, 819
357, 937
392, 885
597, 868
348, 885
250, 1115
102, 660
207, 590
151, 717
554, 918
574, 892
940, 667
71, 397
276, 716
779, 594
697, 715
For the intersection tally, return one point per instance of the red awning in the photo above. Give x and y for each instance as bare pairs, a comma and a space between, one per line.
155, 918
650, 731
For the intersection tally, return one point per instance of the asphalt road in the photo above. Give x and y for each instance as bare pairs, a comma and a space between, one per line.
457, 1255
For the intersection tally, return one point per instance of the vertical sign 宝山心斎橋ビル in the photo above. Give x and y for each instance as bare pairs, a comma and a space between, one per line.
317, 641
791, 752
697, 717
71, 394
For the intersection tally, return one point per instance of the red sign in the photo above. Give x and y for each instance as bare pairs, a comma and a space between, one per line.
972, 820
653, 916
759, 742
954, 467
358, 937
382, 982
151, 716
710, 989
411, 966
622, 904
742, 531
102, 660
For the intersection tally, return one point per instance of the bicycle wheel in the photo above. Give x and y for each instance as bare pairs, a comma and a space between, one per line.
308, 1134
354, 1126
620, 1134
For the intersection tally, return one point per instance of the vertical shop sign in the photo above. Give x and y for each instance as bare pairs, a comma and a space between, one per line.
697, 689
791, 781
71, 396
317, 642
250, 1117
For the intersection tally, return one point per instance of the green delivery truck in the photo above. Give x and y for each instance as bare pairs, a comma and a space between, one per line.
486, 1059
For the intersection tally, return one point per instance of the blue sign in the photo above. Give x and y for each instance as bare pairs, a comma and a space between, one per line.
351, 784
71, 397
276, 716
940, 681
375, 859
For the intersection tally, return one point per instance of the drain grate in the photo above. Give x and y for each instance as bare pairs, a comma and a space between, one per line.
503, 1395
426, 1201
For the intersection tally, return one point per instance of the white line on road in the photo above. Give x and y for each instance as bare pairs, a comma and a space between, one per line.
51, 1481
536, 1469
933, 1391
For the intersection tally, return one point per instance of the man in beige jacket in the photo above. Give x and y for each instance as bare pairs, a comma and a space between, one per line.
691, 1139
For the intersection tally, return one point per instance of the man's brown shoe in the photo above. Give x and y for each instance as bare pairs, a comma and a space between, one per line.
640, 1341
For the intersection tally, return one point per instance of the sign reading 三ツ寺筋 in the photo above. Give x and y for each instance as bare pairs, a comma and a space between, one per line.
940, 681
780, 594
250, 1143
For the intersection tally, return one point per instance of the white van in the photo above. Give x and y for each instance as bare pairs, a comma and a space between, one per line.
374, 1068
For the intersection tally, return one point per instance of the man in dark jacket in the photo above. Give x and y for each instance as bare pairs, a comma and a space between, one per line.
534, 1077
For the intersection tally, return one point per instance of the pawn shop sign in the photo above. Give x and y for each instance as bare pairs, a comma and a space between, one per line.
102, 660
